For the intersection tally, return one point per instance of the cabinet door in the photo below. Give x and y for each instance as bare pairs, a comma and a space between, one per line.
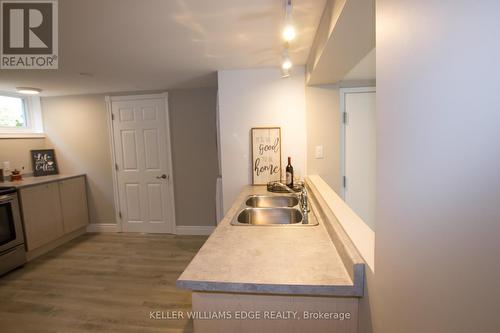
74, 203
41, 207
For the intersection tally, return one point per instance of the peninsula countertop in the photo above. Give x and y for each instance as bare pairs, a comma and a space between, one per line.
299, 260
32, 181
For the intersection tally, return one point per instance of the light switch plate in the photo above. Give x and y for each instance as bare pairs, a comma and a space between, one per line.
319, 152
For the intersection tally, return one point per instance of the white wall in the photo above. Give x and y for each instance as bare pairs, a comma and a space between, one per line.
323, 128
252, 98
438, 145
17, 152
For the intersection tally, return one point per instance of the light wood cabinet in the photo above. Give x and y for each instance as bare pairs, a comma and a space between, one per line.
53, 213
75, 214
41, 208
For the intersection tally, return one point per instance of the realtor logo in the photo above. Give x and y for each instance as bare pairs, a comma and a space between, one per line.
29, 34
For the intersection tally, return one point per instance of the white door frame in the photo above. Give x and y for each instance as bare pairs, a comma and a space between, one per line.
343, 92
109, 116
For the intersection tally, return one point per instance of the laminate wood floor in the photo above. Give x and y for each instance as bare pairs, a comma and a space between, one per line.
100, 283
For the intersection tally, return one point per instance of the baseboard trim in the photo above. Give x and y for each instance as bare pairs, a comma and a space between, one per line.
103, 227
194, 230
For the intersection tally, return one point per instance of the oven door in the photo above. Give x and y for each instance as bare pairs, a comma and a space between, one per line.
11, 232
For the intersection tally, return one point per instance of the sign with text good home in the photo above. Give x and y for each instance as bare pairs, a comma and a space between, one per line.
266, 155
28, 34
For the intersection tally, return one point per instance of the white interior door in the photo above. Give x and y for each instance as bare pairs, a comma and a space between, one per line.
360, 153
142, 155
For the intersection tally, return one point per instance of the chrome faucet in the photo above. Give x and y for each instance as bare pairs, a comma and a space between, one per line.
303, 201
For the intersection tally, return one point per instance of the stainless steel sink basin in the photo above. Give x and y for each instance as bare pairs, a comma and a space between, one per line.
269, 216
271, 210
272, 201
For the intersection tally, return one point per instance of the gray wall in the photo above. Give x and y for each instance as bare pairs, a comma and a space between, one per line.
194, 154
438, 212
76, 127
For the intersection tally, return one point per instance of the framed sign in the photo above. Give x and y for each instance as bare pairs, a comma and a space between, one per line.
266, 155
44, 162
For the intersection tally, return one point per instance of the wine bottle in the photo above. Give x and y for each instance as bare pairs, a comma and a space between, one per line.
289, 173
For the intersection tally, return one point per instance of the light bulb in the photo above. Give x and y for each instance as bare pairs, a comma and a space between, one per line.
289, 33
287, 64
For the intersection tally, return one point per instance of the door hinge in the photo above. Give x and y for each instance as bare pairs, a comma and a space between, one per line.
116, 167
345, 118
344, 181
112, 116
120, 215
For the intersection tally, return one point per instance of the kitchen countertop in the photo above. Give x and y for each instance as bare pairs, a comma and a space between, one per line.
32, 181
300, 260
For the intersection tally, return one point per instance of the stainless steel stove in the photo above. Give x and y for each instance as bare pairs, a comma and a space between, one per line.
12, 252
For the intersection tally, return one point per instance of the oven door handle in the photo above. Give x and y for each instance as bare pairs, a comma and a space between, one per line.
5, 198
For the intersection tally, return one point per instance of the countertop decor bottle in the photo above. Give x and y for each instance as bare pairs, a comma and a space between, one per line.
289, 173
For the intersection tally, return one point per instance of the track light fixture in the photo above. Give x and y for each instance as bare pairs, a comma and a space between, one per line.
287, 63
288, 35
289, 30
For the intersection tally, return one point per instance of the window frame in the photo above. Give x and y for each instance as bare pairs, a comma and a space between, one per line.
33, 116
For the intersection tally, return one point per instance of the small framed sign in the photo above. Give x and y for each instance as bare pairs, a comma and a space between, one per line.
266, 155
44, 162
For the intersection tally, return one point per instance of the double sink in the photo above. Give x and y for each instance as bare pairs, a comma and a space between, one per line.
267, 210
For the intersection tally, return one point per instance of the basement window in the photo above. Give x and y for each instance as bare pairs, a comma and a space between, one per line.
12, 112
20, 116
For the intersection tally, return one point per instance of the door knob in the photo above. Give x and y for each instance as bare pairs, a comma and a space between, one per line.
164, 176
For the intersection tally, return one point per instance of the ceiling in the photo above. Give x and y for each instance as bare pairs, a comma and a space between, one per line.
137, 45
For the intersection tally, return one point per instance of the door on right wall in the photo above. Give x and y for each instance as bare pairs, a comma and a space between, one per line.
359, 151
